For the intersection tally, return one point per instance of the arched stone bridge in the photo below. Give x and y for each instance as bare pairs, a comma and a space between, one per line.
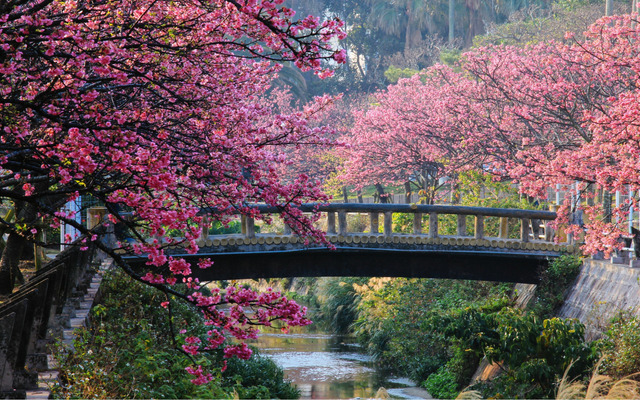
426, 252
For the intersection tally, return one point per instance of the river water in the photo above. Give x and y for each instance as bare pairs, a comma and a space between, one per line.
331, 367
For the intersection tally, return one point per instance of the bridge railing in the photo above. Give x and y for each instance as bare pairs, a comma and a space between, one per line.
534, 223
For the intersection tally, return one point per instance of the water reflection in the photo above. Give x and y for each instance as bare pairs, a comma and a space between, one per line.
325, 366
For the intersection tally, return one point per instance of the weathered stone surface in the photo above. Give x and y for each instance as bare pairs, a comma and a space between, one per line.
600, 291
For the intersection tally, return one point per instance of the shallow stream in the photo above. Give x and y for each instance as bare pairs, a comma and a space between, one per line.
331, 367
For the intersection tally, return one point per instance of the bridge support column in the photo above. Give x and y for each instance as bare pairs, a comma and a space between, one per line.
524, 230
331, 222
504, 228
373, 223
461, 229
342, 223
433, 225
388, 224
479, 227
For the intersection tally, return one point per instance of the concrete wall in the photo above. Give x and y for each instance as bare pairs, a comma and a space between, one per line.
600, 291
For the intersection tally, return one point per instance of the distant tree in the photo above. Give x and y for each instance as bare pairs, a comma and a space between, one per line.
541, 115
404, 18
407, 137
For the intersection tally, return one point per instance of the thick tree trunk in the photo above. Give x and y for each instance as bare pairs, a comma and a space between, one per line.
407, 37
381, 194
451, 21
407, 192
10, 263
345, 196
12, 252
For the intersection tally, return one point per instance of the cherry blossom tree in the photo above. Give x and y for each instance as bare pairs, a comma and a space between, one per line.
540, 115
407, 137
152, 107
558, 114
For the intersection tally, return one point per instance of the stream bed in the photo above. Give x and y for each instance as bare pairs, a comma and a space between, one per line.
331, 367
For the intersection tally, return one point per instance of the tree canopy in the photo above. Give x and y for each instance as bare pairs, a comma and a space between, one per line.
541, 115
153, 108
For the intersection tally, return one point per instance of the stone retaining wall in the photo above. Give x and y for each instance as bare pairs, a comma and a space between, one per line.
600, 291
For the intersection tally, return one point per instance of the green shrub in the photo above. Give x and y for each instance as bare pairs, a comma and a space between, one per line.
442, 384
621, 347
554, 282
338, 303
128, 352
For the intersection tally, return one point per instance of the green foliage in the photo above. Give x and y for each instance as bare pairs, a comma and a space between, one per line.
258, 378
217, 228
533, 352
442, 384
397, 317
621, 347
450, 56
128, 351
403, 222
338, 303
554, 282
394, 74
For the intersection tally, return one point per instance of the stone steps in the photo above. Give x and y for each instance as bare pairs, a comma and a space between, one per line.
75, 315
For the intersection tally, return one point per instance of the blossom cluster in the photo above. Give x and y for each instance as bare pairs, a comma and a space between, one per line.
550, 114
154, 108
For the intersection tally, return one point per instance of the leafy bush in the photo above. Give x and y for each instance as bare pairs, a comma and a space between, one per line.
621, 347
128, 351
554, 282
400, 320
338, 303
442, 384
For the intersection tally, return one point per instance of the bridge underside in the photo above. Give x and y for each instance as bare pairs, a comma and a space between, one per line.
512, 266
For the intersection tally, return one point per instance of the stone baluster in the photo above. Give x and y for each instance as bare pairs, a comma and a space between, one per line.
504, 228
433, 225
374, 225
388, 223
524, 230
331, 223
479, 227
461, 229
250, 231
417, 223
342, 223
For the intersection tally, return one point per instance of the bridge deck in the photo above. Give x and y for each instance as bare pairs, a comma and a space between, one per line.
448, 257
421, 254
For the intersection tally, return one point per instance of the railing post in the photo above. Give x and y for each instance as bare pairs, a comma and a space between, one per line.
461, 229
524, 230
417, 223
250, 230
331, 222
479, 227
504, 228
388, 223
433, 225
374, 226
342, 223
